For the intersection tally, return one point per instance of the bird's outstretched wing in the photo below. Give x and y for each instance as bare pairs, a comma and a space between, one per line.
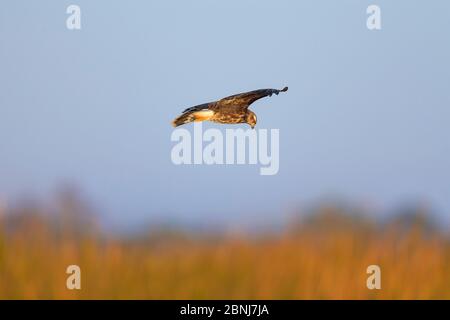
203, 106
247, 98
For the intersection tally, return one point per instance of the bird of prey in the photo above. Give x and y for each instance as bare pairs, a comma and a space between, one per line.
232, 109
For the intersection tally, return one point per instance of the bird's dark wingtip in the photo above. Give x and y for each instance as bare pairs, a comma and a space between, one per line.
284, 89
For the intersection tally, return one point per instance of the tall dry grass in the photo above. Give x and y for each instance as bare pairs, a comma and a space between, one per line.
324, 257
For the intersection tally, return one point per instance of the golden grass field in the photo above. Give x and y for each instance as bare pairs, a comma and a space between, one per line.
325, 258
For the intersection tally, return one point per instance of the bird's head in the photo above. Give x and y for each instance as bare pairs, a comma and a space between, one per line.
251, 118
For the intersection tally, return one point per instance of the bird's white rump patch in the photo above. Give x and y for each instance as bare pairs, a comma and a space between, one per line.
203, 115
237, 142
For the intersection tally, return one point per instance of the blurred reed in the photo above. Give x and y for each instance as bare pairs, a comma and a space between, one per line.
324, 256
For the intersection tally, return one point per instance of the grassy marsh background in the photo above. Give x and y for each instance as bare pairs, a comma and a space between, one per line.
323, 256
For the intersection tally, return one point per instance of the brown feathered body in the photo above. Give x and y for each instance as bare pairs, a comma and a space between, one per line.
231, 110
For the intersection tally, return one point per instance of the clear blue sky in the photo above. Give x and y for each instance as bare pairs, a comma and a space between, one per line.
366, 117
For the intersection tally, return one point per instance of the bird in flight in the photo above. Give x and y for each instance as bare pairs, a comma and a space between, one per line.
232, 109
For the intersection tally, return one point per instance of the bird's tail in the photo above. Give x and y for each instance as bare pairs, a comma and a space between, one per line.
191, 115
183, 119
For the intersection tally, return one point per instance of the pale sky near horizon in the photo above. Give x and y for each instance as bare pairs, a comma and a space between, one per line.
366, 117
